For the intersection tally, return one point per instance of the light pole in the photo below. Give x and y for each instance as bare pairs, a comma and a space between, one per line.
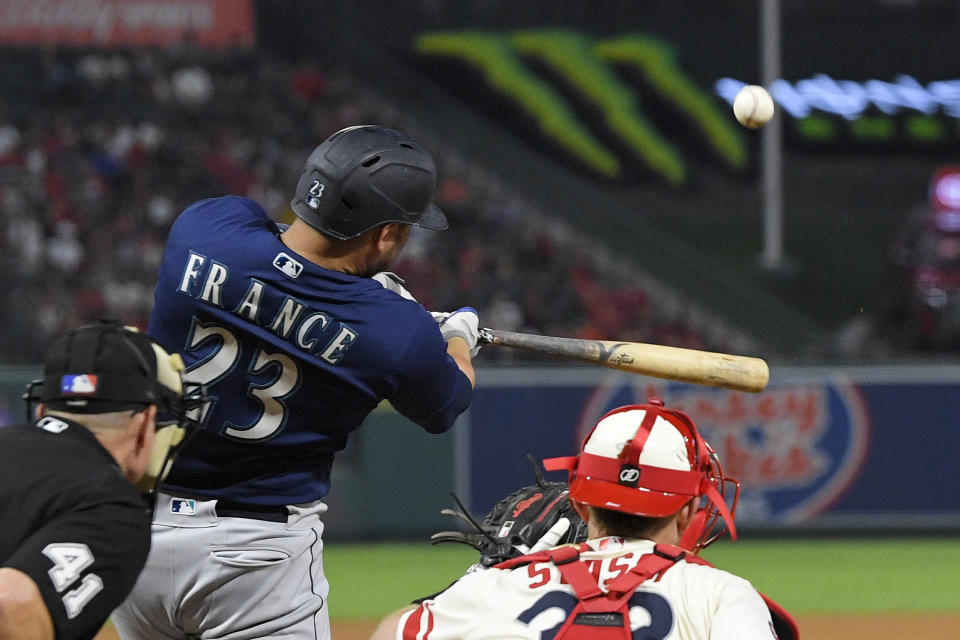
772, 257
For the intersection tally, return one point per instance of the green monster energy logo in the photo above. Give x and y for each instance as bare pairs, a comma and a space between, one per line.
585, 63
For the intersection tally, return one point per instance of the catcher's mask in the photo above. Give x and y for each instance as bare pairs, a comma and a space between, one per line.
364, 176
646, 460
106, 367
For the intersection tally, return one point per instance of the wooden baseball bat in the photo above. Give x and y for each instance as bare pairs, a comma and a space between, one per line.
740, 373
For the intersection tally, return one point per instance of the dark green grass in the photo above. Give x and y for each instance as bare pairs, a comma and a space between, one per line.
371, 580
805, 576
849, 575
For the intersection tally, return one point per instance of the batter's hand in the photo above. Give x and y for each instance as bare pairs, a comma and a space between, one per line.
462, 323
394, 283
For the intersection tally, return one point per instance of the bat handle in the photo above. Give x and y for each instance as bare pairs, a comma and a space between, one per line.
486, 336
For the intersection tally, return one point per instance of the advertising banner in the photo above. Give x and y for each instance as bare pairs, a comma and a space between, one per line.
108, 23
837, 448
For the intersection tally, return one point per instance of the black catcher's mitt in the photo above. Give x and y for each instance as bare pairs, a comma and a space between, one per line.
529, 519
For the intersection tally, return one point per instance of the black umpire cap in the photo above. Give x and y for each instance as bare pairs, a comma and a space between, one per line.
104, 367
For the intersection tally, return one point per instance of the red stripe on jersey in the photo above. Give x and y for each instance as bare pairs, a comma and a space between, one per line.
413, 628
426, 634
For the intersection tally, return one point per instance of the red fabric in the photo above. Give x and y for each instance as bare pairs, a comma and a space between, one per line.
309, 83
784, 625
565, 463
575, 573
614, 600
717, 500
542, 556
653, 478
619, 590
694, 531
640, 437
411, 627
612, 495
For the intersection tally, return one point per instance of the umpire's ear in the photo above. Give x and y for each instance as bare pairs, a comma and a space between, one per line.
142, 427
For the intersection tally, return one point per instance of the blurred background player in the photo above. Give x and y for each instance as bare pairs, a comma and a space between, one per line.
925, 274
650, 490
298, 344
74, 531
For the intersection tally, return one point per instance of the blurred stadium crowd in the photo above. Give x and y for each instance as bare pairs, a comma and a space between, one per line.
100, 150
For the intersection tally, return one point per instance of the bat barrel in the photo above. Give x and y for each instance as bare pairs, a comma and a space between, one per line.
740, 373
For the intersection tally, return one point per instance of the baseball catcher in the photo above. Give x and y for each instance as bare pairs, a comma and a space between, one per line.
628, 543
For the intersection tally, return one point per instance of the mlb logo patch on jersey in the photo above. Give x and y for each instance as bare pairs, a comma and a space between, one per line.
80, 384
183, 506
611, 544
287, 265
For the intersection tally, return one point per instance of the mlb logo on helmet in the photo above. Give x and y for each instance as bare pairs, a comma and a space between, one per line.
82, 384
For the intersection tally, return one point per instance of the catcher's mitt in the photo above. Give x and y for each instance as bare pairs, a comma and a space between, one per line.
530, 519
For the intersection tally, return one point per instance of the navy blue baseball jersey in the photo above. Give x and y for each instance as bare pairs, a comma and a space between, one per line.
296, 356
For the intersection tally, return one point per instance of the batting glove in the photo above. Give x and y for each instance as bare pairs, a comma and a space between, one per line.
393, 282
462, 323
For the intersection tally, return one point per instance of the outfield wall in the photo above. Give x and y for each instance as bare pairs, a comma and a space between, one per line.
820, 450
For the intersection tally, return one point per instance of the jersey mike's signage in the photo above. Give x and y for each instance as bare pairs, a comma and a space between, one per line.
796, 448
210, 23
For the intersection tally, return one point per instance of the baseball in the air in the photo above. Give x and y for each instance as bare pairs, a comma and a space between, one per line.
753, 106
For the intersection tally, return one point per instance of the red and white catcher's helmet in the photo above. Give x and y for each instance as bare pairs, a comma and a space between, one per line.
647, 460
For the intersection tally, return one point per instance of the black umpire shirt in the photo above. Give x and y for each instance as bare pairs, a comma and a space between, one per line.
71, 521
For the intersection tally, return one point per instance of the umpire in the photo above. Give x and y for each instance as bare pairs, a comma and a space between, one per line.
74, 530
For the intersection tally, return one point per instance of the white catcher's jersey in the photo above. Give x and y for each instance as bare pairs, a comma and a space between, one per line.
689, 602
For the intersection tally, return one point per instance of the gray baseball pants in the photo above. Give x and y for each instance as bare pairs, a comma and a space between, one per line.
229, 578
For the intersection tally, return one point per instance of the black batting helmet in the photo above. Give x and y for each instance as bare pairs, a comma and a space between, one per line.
364, 176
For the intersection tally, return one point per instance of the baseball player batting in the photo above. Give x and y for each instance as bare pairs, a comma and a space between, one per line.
649, 489
297, 343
